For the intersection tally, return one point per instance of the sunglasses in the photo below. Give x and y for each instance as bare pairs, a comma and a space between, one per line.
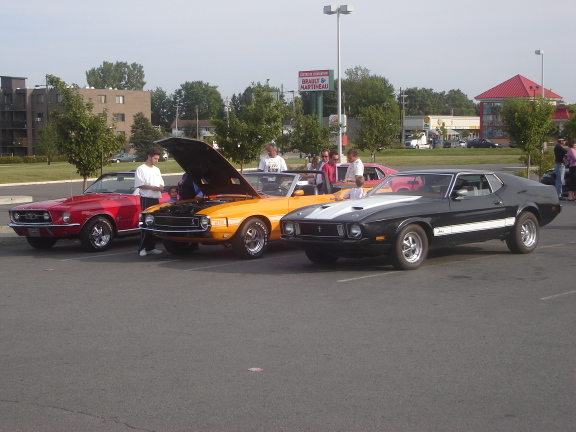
324, 155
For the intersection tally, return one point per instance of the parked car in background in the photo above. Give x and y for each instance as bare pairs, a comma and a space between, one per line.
413, 142
108, 208
454, 144
373, 173
123, 157
443, 208
549, 178
483, 143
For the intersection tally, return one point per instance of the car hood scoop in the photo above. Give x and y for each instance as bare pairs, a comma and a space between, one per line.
333, 210
211, 171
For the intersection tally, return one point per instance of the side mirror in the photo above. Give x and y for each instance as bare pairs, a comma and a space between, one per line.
459, 194
298, 192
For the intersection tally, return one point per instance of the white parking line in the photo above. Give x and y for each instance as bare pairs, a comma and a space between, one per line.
558, 295
98, 255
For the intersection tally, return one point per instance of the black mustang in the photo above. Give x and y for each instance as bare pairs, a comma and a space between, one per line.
409, 212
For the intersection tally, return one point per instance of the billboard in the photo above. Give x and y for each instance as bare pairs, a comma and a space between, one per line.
318, 80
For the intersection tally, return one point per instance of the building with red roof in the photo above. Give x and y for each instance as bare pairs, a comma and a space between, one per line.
491, 126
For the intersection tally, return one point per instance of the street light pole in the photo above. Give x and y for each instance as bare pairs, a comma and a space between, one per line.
331, 10
541, 53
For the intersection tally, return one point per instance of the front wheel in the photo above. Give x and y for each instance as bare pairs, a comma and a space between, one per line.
97, 235
318, 257
251, 240
525, 235
41, 242
179, 248
410, 248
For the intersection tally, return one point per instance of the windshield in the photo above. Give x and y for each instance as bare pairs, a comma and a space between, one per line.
431, 185
273, 184
118, 183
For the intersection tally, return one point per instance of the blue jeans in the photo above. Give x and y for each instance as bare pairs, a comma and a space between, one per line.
559, 170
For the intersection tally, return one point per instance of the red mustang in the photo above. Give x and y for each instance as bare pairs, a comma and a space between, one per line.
108, 208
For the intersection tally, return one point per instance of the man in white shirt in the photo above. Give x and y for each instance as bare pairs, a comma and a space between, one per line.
148, 180
272, 162
356, 167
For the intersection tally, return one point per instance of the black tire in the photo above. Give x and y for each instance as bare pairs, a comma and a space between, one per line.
410, 248
525, 235
471, 146
251, 240
97, 235
41, 242
179, 248
320, 257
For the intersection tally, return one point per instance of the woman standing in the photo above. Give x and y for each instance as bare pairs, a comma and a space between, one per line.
572, 158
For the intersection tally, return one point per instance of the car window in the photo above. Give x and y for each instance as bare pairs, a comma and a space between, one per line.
475, 184
495, 182
279, 185
431, 185
117, 183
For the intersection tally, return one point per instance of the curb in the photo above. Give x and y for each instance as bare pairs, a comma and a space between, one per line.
7, 200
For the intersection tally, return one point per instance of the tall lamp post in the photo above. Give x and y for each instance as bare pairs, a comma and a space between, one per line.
541, 53
331, 10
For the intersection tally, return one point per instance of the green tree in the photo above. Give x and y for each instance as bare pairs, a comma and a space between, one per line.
308, 135
528, 123
244, 132
120, 75
197, 98
421, 101
361, 89
457, 103
569, 128
143, 134
47, 142
85, 138
163, 111
379, 127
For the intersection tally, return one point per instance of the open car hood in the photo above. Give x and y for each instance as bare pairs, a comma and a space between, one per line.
211, 171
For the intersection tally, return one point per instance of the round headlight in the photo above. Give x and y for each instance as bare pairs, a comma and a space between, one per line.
15, 217
46, 216
289, 228
149, 219
204, 222
354, 231
65, 217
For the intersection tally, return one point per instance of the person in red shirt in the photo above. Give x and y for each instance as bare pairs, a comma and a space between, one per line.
330, 167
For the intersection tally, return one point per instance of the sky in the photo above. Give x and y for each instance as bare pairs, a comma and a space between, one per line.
441, 44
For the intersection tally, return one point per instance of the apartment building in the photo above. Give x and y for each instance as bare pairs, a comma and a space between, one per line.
24, 111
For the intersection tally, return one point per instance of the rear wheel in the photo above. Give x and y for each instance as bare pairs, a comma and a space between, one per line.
97, 235
41, 242
251, 240
525, 235
320, 257
179, 248
410, 248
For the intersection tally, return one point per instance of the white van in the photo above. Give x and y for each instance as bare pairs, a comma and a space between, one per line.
416, 143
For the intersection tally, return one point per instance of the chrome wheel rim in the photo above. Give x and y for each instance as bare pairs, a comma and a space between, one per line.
254, 240
100, 236
529, 233
412, 247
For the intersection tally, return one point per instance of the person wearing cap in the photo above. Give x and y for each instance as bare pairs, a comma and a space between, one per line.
559, 167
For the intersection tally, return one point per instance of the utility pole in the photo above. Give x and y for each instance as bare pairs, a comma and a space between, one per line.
176, 122
403, 97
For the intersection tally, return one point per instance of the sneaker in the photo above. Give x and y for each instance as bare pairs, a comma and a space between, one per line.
154, 252
143, 252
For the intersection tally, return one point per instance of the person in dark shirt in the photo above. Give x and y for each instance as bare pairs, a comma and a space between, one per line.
559, 167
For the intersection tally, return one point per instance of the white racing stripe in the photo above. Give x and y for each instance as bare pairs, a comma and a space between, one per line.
473, 227
333, 210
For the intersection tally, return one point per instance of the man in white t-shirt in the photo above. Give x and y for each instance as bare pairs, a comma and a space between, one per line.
356, 167
148, 180
272, 162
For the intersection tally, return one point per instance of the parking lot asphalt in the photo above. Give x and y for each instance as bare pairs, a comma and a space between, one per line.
477, 339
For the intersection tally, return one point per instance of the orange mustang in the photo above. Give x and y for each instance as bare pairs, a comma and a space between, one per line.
239, 211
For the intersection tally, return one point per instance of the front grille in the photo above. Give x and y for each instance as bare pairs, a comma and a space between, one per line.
31, 216
320, 229
172, 222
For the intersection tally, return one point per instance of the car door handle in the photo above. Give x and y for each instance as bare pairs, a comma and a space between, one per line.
499, 202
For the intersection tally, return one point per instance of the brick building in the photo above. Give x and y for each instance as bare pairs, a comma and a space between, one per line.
24, 111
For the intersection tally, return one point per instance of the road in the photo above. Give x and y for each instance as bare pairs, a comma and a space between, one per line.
477, 339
